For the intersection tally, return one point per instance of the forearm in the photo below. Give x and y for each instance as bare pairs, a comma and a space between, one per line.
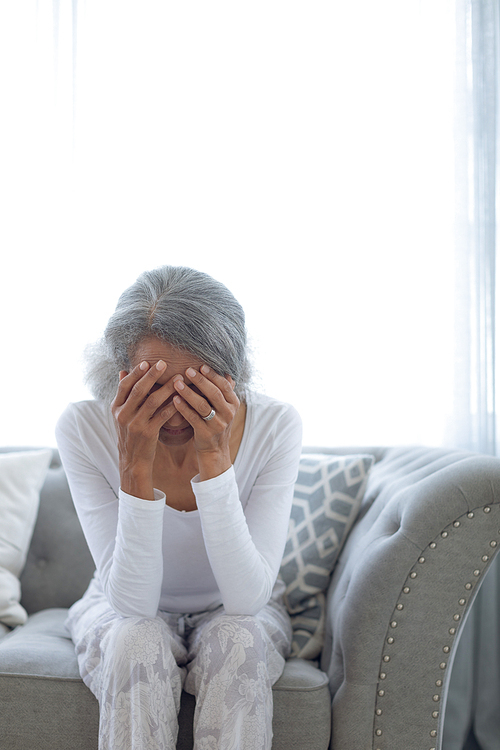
244, 576
137, 480
132, 581
213, 464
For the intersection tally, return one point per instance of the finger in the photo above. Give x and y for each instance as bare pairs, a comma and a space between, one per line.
225, 383
135, 386
189, 413
163, 415
200, 406
160, 400
127, 380
216, 388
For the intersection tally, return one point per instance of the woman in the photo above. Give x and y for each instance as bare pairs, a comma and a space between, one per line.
182, 479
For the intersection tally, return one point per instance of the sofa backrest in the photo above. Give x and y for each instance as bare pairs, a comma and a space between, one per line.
59, 565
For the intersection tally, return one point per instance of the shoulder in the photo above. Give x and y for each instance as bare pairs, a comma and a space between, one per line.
272, 424
85, 421
272, 442
271, 412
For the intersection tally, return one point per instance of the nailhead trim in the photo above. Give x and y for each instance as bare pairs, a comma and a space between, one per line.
462, 602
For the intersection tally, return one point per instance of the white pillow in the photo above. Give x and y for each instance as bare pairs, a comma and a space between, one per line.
22, 475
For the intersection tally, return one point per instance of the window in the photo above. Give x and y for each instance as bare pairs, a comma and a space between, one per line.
300, 153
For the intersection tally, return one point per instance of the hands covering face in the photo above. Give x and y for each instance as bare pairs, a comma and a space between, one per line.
173, 412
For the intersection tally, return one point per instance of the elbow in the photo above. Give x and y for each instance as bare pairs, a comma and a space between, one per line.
131, 612
128, 607
246, 605
245, 610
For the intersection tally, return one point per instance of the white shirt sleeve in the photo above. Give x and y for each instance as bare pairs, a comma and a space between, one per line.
245, 547
123, 533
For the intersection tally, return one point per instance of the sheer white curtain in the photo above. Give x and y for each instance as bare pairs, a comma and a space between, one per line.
472, 719
303, 154
476, 137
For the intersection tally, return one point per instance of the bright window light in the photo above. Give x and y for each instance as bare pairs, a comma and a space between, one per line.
301, 153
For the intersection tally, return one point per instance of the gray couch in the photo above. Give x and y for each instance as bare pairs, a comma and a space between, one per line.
427, 532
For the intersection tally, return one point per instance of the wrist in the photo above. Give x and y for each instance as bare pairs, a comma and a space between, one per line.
137, 481
212, 465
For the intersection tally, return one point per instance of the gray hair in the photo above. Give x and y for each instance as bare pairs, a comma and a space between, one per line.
185, 308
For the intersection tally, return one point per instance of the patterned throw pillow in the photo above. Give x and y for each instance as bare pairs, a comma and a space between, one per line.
327, 497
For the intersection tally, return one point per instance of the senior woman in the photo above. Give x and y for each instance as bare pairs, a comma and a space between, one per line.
182, 478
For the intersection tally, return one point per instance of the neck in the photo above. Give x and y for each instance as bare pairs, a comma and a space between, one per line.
175, 455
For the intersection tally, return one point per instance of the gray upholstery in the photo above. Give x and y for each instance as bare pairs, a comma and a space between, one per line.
398, 599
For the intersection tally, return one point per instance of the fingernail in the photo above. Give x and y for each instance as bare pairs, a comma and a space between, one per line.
179, 385
191, 372
160, 365
143, 366
177, 377
205, 369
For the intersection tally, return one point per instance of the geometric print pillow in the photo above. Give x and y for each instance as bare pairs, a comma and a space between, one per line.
327, 498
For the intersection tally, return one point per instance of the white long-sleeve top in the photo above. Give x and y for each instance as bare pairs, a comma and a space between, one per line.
150, 556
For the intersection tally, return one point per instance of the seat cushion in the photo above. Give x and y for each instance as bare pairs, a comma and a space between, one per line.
46, 705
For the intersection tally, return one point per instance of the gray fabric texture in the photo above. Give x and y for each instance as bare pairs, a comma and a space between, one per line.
472, 709
48, 706
400, 593
427, 532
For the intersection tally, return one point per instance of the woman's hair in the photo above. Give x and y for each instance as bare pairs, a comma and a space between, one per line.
183, 307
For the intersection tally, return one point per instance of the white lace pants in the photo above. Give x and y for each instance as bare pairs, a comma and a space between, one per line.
136, 667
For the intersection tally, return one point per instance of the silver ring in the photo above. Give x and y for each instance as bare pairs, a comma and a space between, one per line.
210, 416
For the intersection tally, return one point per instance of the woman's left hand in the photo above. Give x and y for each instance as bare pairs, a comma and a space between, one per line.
211, 438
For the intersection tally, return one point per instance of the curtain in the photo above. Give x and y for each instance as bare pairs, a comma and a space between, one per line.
472, 715
476, 134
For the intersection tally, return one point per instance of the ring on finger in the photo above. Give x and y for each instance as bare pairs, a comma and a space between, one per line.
210, 416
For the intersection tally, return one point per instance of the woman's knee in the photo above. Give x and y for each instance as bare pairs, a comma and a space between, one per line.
241, 632
140, 641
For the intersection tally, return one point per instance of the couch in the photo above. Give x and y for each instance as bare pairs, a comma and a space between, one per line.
426, 532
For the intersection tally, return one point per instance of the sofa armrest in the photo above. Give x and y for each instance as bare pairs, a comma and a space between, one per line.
402, 589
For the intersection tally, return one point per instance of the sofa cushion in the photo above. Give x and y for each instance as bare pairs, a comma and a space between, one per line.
327, 497
22, 475
59, 565
46, 704
41, 647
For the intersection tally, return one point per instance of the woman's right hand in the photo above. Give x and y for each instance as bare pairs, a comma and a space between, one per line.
139, 412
